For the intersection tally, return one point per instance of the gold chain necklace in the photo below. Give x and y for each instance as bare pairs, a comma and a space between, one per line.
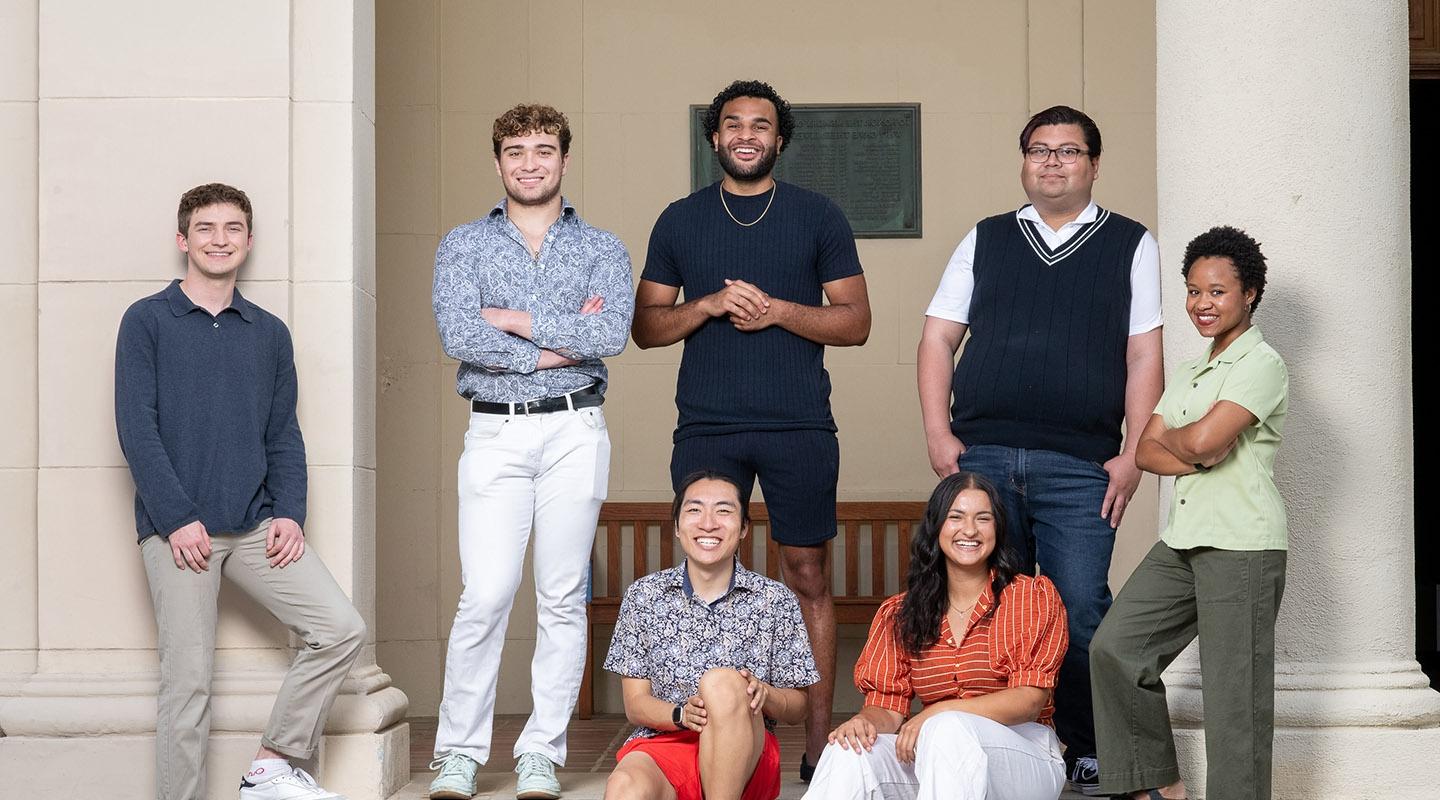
773, 190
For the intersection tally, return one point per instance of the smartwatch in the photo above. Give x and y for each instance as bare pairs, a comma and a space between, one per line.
677, 716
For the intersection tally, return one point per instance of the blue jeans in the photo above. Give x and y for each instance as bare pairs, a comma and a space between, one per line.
1052, 512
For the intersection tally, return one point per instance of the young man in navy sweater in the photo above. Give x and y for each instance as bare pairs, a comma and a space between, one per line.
205, 394
1062, 303
757, 258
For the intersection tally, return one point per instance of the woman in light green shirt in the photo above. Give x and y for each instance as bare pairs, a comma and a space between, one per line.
1219, 570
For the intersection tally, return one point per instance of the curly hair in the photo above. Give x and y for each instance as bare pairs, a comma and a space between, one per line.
927, 596
1223, 241
758, 89
1063, 115
526, 119
211, 194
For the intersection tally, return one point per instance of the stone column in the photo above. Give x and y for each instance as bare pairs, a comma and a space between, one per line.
1290, 119
131, 104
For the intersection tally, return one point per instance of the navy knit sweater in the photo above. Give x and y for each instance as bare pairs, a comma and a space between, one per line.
205, 409
732, 381
1045, 364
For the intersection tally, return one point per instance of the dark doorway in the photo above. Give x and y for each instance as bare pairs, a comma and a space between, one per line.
1424, 208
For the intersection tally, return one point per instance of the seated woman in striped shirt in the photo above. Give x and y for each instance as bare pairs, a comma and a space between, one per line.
979, 646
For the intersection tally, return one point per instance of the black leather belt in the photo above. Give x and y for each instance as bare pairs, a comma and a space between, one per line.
580, 398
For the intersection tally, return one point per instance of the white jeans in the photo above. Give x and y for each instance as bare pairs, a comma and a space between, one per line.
960, 756
549, 471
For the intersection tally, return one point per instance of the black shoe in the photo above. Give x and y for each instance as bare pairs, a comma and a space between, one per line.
807, 770
1084, 776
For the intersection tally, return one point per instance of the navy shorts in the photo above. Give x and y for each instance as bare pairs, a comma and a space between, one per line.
797, 472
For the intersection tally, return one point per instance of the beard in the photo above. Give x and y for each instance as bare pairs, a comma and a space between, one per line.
747, 172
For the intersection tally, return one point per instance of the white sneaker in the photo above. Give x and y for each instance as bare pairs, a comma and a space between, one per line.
298, 785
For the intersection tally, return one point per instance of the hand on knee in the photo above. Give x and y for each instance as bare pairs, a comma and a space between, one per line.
723, 691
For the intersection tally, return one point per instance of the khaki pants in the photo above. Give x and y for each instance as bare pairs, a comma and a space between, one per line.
1229, 598
302, 595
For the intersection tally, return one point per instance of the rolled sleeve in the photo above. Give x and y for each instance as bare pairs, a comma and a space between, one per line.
1258, 383
882, 672
1145, 309
957, 284
1040, 637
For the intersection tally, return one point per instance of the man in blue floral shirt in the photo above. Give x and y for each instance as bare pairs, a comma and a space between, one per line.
529, 299
711, 656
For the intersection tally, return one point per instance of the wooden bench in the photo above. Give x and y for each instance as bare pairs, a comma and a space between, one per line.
873, 538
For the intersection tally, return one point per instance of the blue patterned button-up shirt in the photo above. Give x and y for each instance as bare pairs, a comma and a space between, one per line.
670, 637
487, 264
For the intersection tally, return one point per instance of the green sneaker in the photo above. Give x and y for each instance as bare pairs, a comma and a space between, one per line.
537, 778
456, 780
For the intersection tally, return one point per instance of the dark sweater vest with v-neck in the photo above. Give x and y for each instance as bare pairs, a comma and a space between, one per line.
1044, 367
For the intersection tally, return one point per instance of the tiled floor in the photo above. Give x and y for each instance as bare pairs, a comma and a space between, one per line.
592, 744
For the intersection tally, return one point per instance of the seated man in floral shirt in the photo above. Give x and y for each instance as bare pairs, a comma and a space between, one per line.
711, 655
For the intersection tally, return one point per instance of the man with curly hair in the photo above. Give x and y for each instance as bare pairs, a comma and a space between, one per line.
1061, 300
757, 259
529, 299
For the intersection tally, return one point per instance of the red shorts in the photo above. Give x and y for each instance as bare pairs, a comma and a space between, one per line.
678, 755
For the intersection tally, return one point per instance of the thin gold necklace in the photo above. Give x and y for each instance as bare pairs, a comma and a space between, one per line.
775, 187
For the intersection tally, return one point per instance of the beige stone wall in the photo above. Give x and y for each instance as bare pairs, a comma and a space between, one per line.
107, 113
625, 72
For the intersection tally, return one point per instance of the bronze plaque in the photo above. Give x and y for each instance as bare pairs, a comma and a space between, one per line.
864, 157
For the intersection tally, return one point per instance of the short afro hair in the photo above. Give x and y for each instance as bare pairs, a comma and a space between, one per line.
1224, 241
763, 91
212, 194
1063, 115
523, 120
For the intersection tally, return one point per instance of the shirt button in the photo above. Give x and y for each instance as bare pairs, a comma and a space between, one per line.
217, 324
1182, 412
1194, 386
1182, 501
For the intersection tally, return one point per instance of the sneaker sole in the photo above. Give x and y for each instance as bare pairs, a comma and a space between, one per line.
537, 794
1091, 790
446, 794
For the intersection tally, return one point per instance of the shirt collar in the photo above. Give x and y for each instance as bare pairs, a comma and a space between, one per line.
1238, 348
567, 211
1086, 217
181, 304
741, 578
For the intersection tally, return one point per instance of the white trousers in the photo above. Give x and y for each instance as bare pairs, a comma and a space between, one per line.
549, 472
960, 756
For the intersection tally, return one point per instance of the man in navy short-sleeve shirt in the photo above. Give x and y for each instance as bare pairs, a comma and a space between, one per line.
757, 260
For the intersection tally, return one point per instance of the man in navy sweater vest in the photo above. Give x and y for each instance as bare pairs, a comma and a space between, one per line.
1062, 303
205, 395
756, 257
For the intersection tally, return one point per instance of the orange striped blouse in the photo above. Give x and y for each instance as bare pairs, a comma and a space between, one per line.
1022, 644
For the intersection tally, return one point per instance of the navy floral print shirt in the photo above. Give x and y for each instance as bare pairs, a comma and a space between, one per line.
670, 637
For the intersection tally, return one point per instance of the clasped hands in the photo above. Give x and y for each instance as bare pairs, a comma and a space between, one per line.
745, 304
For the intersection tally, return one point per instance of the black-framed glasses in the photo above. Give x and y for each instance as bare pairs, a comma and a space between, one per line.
1067, 155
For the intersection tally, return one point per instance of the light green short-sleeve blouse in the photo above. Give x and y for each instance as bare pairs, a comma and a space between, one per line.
1235, 505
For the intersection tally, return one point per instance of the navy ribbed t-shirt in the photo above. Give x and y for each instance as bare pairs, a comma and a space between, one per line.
732, 381
1044, 367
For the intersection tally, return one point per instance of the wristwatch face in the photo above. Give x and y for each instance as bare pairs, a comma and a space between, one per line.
677, 715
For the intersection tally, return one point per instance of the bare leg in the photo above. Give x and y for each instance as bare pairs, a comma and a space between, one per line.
732, 738
806, 575
638, 777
